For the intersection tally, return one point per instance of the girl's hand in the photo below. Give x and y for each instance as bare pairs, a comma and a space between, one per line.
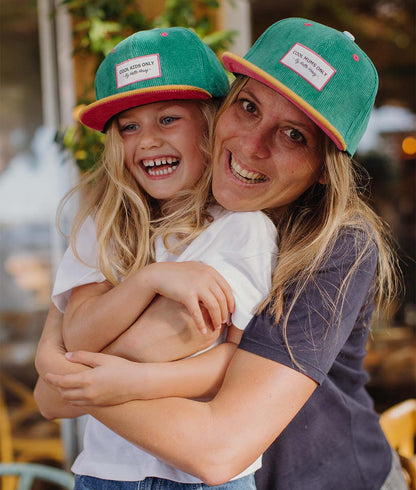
112, 380
194, 284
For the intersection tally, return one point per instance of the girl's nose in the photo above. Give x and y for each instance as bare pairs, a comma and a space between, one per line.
149, 138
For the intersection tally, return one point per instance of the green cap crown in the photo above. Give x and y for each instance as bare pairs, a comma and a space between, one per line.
319, 69
151, 66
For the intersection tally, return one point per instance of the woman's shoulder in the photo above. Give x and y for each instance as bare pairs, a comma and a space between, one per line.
354, 244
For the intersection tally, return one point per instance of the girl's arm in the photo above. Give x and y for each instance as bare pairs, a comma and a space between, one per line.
114, 380
114, 309
164, 332
50, 352
199, 376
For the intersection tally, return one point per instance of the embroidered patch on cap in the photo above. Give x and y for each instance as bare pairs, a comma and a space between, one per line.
309, 65
138, 69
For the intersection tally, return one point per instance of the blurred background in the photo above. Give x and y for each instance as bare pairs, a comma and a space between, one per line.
49, 51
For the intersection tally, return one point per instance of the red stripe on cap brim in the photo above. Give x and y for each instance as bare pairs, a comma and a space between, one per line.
97, 114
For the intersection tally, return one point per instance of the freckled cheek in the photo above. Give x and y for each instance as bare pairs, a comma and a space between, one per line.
226, 126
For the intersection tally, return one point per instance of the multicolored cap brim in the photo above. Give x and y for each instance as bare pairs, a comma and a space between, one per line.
320, 70
154, 66
97, 114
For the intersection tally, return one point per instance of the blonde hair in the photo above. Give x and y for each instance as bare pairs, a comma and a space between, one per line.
308, 229
127, 219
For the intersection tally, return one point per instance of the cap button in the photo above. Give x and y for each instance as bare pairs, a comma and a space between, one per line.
349, 35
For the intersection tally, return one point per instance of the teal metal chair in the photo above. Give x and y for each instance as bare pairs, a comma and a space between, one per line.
27, 473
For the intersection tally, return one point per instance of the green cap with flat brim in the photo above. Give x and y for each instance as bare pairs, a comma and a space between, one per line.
321, 70
153, 66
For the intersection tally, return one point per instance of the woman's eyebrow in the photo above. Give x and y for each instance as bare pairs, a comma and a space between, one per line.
250, 94
306, 126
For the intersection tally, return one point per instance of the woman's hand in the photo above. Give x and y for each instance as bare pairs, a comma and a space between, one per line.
194, 284
112, 380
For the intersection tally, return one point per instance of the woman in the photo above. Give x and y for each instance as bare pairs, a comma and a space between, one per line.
284, 138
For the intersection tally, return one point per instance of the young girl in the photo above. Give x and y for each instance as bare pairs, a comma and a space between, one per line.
146, 210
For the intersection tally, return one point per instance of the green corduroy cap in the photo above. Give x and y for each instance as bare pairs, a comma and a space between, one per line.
152, 66
321, 70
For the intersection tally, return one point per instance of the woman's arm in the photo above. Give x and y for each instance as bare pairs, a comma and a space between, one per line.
114, 309
257, 400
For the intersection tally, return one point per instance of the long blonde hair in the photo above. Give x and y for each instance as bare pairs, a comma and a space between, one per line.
307, 231
127, 219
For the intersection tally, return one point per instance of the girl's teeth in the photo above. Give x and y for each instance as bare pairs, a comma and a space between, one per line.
165, 165
159, 161
162, 171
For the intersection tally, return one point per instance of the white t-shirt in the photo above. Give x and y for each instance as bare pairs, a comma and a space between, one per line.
241, 247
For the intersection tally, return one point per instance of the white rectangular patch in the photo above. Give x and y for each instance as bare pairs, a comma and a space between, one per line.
138, 69
309, 65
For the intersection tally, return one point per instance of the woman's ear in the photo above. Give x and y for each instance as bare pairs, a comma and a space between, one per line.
323, 178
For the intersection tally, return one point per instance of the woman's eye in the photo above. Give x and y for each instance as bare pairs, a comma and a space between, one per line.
248, 106
168, 120
295, 135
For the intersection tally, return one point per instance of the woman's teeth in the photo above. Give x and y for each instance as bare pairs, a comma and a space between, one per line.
244, 175
161, 166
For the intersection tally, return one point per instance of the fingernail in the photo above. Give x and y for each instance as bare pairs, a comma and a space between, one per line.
204, 331
68, 355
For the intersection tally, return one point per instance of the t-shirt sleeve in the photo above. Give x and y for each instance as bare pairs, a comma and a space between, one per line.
72, 272
319, 325
242, 248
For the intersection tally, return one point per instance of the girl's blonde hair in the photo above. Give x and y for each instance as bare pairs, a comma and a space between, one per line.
127, 219
308, 229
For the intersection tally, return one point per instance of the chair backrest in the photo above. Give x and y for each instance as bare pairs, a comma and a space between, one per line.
399, 426
29, 472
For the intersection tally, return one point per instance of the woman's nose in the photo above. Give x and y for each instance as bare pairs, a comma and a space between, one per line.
256, 143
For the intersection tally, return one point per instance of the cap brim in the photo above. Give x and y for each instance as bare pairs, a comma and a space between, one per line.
97, 114
239, 65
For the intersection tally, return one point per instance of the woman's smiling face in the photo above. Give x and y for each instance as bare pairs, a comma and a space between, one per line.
267, 151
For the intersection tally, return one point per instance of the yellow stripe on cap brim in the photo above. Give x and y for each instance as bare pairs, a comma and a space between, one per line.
97, 114
237, 64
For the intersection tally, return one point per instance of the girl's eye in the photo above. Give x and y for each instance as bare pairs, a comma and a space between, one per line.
248, 106
128, 127
295, 135
168, 120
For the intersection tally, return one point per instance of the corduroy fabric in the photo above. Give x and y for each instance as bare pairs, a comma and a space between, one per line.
340, 102
152, 66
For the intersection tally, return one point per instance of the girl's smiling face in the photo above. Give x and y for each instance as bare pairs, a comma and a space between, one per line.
162, 146
267, 151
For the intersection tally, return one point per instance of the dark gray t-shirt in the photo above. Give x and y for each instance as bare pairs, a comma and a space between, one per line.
335, 442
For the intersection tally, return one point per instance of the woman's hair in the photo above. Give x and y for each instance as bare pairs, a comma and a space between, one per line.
127, 219
307, 231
